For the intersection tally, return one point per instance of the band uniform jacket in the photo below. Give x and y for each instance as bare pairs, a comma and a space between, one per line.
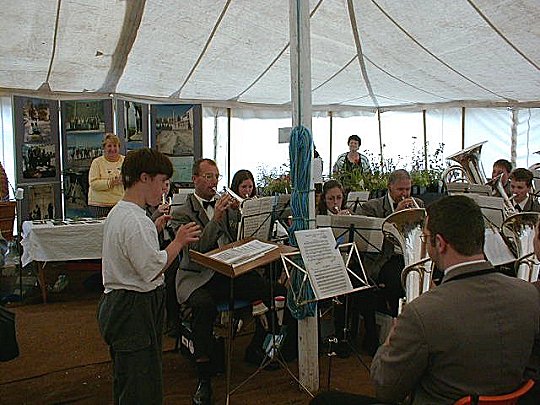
473, 334
380, 208
532, 204
191, 275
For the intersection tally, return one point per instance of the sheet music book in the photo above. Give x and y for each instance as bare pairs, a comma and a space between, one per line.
323, 262
368, 230
492, 208
256, 218
180, 198
238, 255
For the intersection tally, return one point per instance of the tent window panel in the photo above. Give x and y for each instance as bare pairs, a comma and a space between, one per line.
492, 125
214, 139
403, 139
443, 126
528, 137
321, 138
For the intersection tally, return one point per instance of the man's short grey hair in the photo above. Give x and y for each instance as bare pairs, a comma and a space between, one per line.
396, 175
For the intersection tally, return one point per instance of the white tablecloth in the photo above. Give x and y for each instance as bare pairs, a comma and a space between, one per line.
75, 240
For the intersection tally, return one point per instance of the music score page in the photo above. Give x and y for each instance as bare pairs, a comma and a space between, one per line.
323, 263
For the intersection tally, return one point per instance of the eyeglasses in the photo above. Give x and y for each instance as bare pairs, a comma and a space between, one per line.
424, 237
212, 176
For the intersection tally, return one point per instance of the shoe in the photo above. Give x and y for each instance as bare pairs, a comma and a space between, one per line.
257, 357
203, 394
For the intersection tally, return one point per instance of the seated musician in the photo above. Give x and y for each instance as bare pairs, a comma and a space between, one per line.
448, 342
520, 184
333, 202
202, 288
387, 266
504, 167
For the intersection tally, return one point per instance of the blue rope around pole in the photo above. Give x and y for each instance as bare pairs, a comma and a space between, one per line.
300, 150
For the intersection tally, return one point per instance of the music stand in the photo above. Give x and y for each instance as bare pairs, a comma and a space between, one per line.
256, 220
233, 260
468, 188
354, 198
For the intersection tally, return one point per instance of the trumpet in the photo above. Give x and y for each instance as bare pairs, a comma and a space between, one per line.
337, 211
165, 199
414, 203
227, 191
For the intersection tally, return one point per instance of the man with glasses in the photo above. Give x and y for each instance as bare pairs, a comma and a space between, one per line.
471, 335
202, 288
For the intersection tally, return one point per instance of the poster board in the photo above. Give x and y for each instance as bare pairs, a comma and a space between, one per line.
132, 124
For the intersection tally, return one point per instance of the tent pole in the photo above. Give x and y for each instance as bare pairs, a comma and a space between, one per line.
462, 127
229, 115
426, 168
513, 145
331, 115
380, 138
300, 59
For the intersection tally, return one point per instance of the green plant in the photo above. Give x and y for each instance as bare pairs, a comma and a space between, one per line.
430, 175
273, 180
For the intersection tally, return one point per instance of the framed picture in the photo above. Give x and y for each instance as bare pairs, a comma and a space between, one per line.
36, 139
84, 125
132, 125
41, 201
177, 132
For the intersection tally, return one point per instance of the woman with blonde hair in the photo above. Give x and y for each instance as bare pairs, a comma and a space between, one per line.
106, 187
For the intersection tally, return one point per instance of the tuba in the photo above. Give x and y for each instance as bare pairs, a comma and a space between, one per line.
469, 166
509, 209
404, 229
535, 169
521, 228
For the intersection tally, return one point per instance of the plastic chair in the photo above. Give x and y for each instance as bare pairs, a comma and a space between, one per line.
506, 399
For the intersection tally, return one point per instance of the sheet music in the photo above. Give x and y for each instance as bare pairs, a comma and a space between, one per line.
323, 262
492, 208
256, 217
368, 230
245, 253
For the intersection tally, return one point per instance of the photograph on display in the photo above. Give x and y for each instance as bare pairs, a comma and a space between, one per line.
36, 139
173, 129
183, 166
37, 121
39, 161
41, 202
136, 125
85, 123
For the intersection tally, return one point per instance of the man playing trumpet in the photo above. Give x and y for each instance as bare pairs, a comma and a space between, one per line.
386, 268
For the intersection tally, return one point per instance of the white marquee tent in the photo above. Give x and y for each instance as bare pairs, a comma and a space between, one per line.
367, 56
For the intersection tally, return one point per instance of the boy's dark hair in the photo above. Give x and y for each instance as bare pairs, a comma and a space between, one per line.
521, 174
144, 160
354, 138
197, 165
504, 164
459, 220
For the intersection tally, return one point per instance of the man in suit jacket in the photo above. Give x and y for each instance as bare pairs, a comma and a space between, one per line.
202, 288
387, 266
520, 184
473, 334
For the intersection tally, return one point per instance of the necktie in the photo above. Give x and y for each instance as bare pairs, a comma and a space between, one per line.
208, 203
518, 208
395, 205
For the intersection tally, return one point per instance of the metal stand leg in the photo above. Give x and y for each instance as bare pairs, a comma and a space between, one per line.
42, 282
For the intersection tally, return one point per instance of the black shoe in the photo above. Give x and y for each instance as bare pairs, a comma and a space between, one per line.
203, 394
256, 357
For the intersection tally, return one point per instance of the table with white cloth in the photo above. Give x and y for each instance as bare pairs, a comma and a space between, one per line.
56, 240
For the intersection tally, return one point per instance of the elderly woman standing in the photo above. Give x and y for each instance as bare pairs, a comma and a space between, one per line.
106, 187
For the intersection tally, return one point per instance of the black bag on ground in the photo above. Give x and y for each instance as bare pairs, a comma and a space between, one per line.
9, 349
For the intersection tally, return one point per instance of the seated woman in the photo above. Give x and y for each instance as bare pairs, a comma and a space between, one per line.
332, 202
243, 184
106, 187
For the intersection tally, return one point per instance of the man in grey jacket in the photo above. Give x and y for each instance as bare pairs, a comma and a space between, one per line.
473, 334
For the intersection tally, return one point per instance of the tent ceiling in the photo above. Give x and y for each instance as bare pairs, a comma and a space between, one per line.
365, 53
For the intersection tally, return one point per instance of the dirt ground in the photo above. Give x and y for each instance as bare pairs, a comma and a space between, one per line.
63, 360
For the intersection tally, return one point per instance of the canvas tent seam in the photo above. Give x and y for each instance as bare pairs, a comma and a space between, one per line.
55, 37
494, 28
132, 21
354, 27
177, 93
438, 59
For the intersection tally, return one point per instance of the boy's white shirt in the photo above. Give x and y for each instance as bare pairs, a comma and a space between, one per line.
131, 256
